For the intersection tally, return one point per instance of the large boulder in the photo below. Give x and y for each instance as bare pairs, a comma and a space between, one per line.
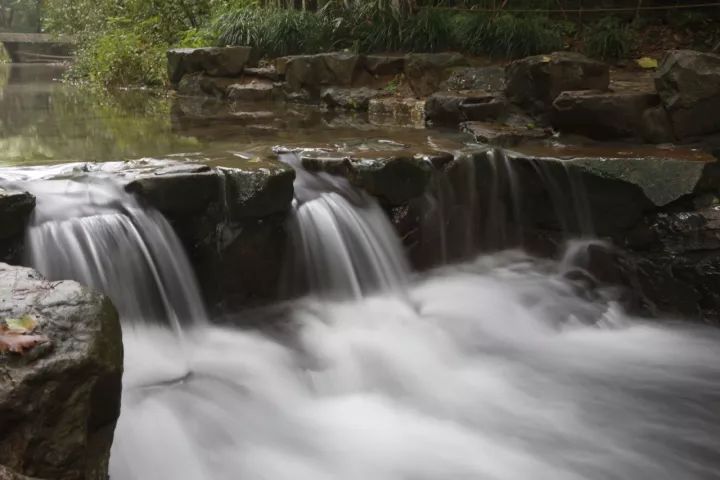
489, 79
535, 82
313, 72
602, 115
257, 90
688, 83
425, 72
213, 61
59, 401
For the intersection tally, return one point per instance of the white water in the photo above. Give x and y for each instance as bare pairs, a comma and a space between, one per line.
501, 368
496, 369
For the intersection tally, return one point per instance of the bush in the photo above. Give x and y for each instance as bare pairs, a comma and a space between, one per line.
121, 57
508, 35
609, 38
276, 32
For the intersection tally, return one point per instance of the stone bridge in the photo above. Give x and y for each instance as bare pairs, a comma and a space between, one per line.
37, 47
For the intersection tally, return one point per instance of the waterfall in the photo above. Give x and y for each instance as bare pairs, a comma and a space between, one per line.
343, 244
90, 230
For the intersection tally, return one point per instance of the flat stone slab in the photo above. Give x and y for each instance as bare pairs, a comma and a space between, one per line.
496, 134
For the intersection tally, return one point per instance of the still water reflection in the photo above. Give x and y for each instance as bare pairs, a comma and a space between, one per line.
43, 120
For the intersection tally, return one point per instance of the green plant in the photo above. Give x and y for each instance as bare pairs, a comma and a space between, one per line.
609, 38
508, 35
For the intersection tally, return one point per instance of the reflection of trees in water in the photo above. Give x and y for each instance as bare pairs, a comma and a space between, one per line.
42, 120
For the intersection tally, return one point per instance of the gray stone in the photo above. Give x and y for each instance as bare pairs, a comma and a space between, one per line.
59, 401
501, 135
478, 79
689, 84
384, 65
602, 115
255, 91
397, 111
446, 108
535, 82
425, 72
15, 209
202, 85
656, 126
349, 98
213, 61
313, 72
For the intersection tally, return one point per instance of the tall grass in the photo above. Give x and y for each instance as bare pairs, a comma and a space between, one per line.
509, 36
609, 38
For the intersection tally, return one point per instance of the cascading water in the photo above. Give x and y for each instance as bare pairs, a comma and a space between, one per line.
505, 367
344, 245
88, 229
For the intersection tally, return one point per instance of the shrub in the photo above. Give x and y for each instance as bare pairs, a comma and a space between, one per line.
121, 57
508, 35
609, 38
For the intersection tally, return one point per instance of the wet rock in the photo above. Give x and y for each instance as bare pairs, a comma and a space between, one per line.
384, 65
15, 209
213, 61
478, 79
312, 72
501, 135
59, 401
656, 126
397, 111
254, 91
395, 180
447, 108
349, 98
266, 73
425, 72
602, 115
689, 84
200, 84
258, 192
7, 474
535, 82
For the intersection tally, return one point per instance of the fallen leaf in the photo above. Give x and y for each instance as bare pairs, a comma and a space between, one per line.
647, 62
19, 343
24, 324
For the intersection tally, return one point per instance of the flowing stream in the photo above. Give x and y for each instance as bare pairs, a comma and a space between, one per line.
503, 367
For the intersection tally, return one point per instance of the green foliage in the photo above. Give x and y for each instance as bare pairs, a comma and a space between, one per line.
508, 35
609, 38
121, 57
276, 32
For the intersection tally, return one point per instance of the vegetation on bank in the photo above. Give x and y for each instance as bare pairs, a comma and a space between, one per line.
124, 42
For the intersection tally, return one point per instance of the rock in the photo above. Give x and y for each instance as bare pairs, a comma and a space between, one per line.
15, 209
384, 65
397, 111
259, 191
255, 91
395, 180
266, 73
200, 84
688, 83
425, 72
496, 134
656, 126
602, 115
349, 98
478, 79
213, 61
535, 82
453, 108
312, 72
59, 402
